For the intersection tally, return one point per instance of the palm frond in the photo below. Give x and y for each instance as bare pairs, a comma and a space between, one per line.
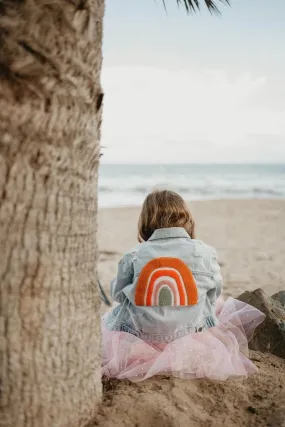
194, 5
164, 5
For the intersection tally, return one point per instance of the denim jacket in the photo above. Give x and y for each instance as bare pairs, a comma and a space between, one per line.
166, 323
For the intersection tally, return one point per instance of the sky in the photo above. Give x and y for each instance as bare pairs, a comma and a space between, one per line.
194, 88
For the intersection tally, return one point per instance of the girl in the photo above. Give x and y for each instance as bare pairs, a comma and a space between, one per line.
167, 320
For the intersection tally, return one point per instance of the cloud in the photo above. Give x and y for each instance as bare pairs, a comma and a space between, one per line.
169, 115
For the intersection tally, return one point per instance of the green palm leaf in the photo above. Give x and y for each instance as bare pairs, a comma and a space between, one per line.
194, 5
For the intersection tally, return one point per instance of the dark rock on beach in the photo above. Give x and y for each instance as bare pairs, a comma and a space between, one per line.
270, 335
280, 297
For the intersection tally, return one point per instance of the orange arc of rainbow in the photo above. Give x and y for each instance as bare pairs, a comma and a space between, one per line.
161, 267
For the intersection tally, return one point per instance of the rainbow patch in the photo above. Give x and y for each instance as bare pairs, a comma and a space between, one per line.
166, 282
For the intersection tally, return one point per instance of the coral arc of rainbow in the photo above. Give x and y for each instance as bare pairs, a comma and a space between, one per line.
166, 282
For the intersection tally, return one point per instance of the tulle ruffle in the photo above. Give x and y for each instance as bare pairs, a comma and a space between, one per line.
218, 353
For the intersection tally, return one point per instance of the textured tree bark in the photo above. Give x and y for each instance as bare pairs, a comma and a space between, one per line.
50, 117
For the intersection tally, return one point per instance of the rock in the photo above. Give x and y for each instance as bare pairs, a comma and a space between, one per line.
270, 335
280, 296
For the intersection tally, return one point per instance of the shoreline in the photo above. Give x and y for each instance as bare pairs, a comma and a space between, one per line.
203, 200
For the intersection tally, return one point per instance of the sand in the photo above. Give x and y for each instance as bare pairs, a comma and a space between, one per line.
250, 238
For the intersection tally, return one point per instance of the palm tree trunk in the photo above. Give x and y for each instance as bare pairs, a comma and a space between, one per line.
50, 117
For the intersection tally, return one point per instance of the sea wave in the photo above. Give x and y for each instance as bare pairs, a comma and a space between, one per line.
128, 185
197, 190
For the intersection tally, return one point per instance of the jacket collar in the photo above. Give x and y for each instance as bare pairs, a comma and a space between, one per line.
167, 233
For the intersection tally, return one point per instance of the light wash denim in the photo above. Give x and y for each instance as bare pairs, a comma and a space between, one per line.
163, 323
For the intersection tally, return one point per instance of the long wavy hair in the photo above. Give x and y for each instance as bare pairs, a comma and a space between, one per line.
164, 209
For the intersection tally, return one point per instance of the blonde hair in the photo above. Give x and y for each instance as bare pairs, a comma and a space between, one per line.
164, 209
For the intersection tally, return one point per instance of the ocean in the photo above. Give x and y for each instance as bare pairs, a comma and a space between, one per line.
127, 185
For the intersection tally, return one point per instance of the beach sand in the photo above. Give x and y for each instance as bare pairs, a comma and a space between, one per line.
250, 238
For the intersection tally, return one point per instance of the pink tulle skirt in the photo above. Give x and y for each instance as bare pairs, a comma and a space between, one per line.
218, 353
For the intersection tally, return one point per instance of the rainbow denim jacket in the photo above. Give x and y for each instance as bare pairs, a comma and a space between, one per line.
166, 287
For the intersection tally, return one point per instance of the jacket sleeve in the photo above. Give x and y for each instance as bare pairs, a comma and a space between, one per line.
214, 293
124, 277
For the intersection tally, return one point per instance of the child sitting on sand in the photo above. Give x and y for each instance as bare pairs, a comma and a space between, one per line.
168, 320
